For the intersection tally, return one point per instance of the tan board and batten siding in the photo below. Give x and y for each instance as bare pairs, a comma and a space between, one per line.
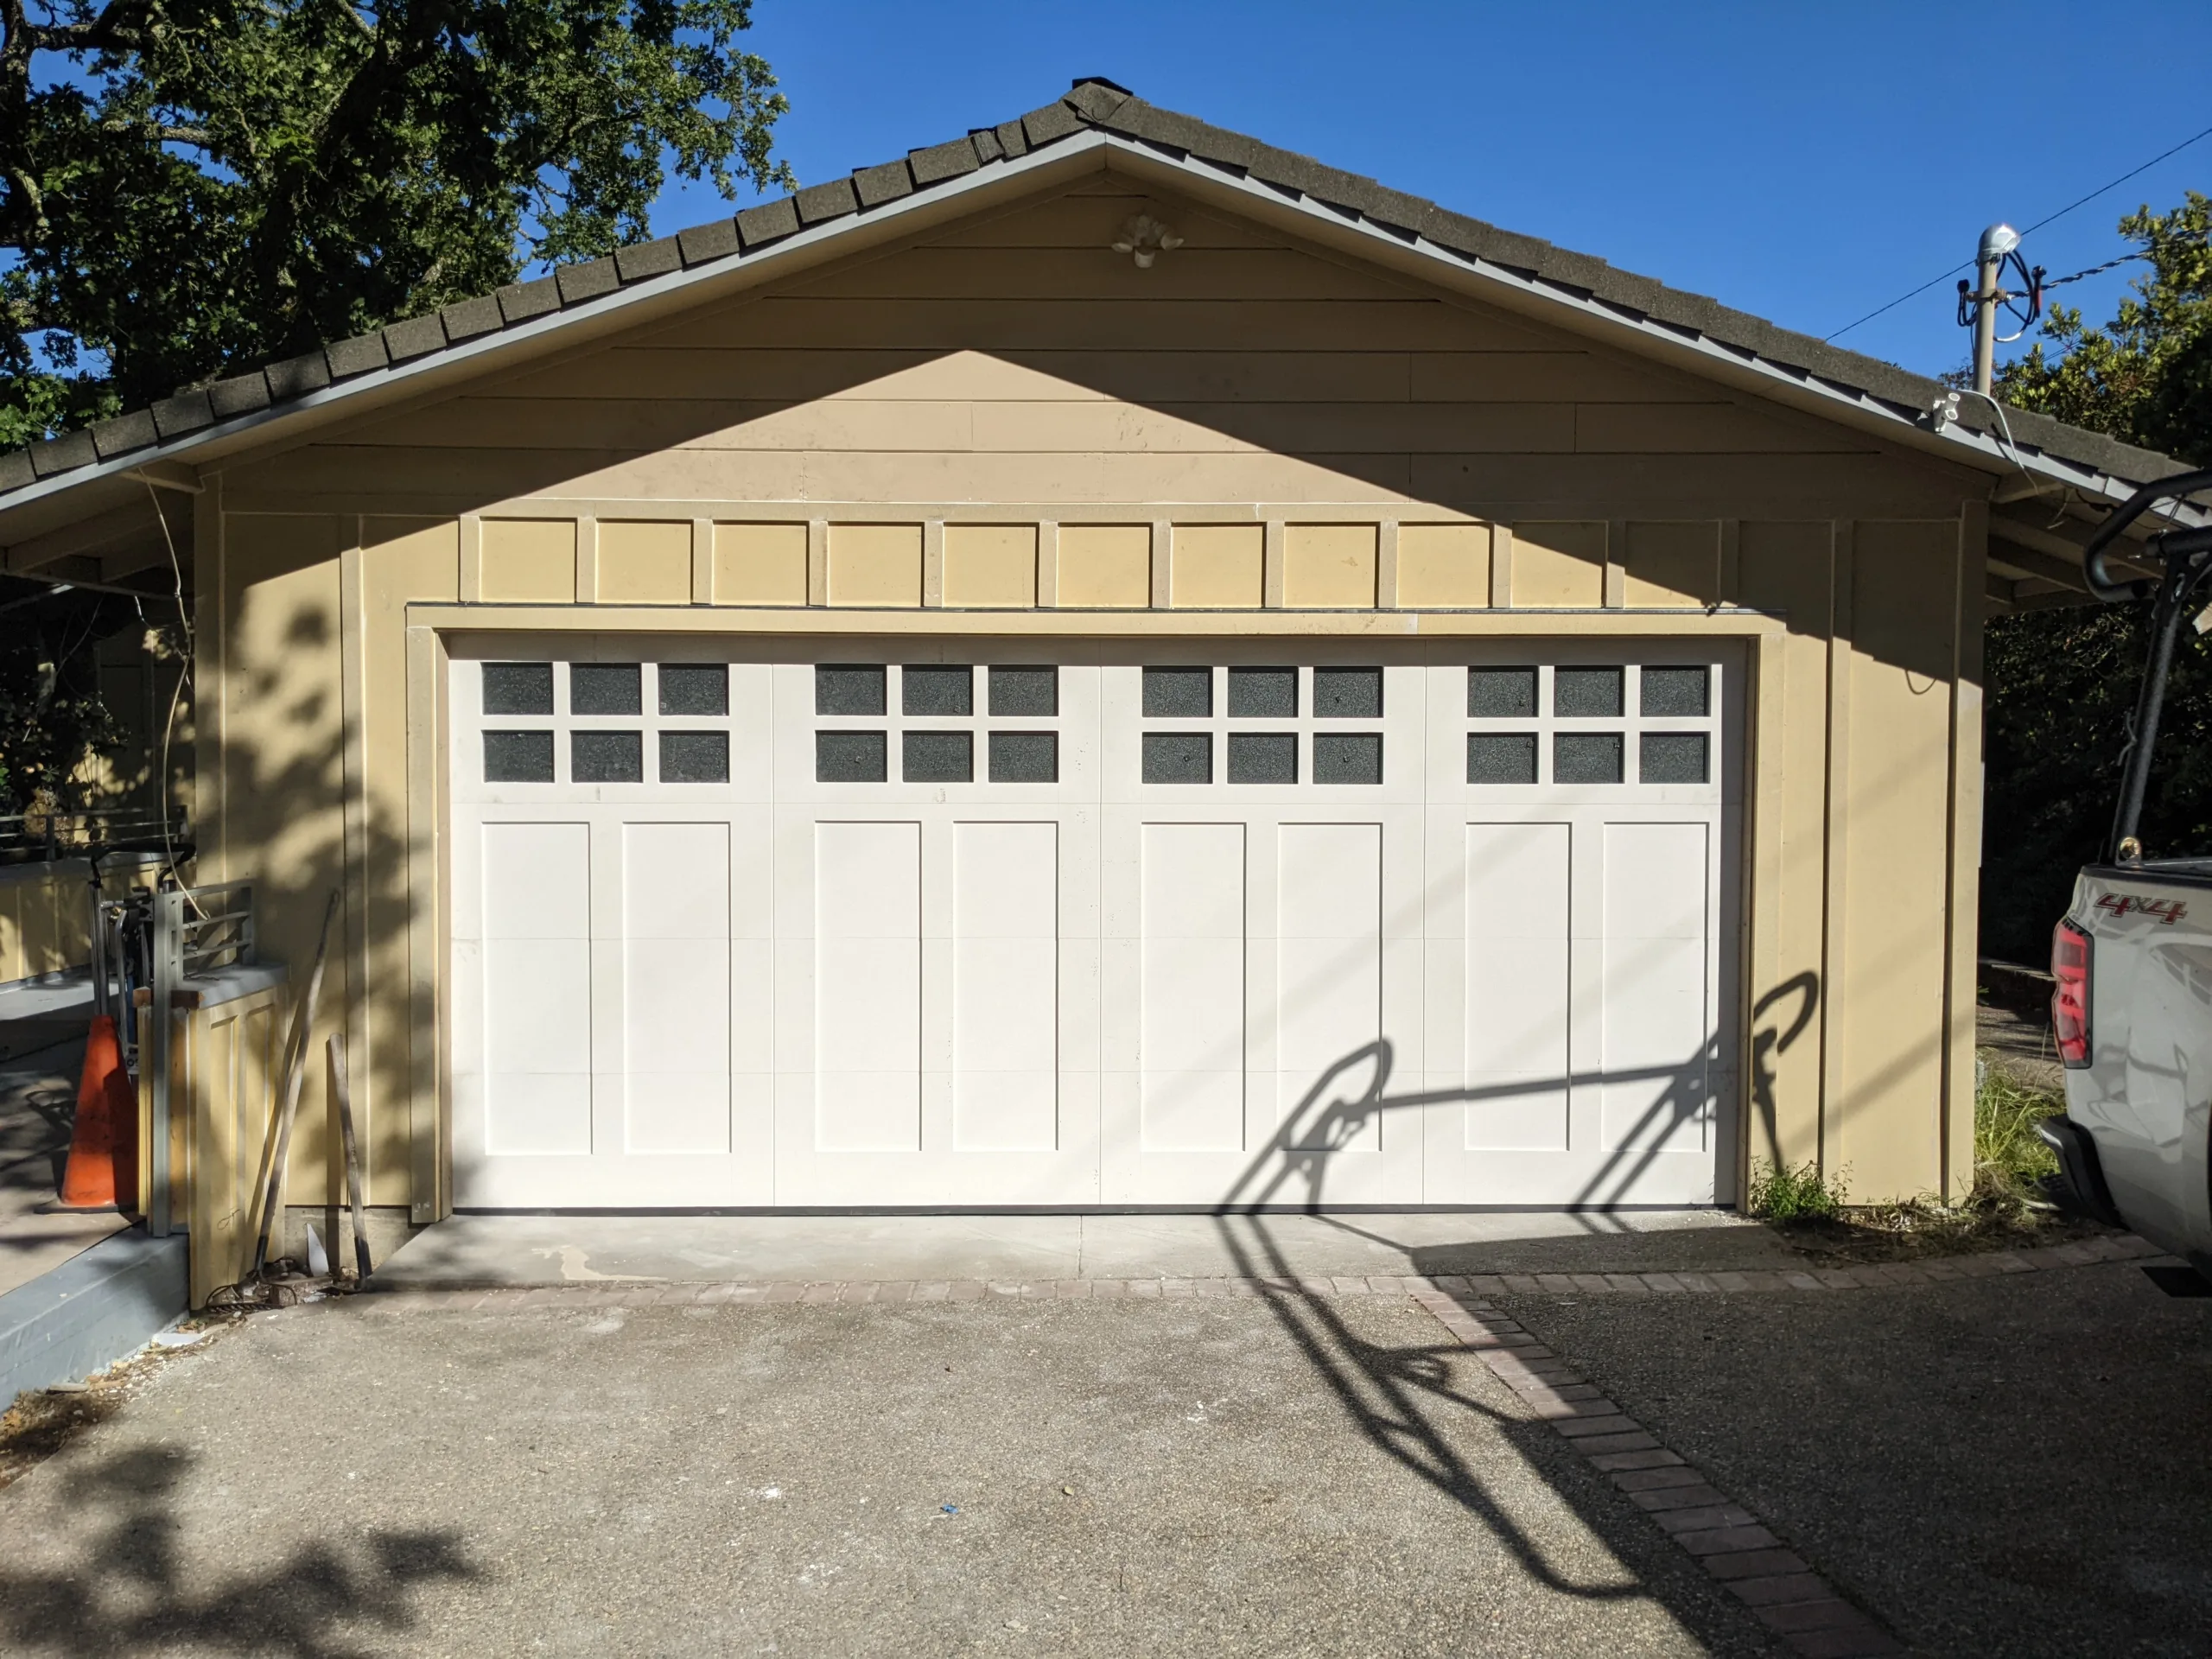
1008, 429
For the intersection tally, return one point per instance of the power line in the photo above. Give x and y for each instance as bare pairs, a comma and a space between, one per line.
2093, 270
2031, 229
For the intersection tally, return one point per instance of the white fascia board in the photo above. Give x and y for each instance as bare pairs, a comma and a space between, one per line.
622, 309
1711, 359
1496, 283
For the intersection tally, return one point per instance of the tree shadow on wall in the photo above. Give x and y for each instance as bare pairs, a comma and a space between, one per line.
129, 1588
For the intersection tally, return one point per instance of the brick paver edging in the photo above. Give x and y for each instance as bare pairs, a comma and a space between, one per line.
642, 1292
1728, 1540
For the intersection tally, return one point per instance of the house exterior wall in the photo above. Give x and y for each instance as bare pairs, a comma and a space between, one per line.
1003, 428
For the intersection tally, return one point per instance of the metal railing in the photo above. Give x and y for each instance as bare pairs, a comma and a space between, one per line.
195, 931
44, 838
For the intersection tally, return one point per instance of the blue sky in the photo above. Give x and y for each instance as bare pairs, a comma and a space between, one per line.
1805, 163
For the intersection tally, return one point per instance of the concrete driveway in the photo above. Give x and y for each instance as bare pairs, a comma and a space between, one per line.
2001, 1455
1331, 1475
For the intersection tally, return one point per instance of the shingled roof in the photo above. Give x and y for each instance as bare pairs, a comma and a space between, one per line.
1091, 106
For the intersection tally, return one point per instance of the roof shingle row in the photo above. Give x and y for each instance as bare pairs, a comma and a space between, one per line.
1091, 104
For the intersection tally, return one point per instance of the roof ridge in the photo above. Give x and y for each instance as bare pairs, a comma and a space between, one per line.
1091, 103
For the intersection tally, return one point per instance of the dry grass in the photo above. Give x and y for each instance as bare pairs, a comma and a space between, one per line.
43, 1421
2002, 1209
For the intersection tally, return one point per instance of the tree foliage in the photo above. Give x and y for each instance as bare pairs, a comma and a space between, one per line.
188, 188
52, 718
2146, 376
2062, 683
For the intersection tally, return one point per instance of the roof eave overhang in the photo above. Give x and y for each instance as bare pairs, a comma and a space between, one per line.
104, 484
1505, 288
48, 504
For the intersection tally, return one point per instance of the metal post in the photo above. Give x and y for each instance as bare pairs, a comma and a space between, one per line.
97, 937
169, 971
1989, 260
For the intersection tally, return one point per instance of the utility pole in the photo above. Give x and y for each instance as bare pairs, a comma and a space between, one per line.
1997, 241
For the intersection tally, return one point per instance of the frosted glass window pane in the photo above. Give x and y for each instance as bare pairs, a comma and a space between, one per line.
1025, 758
697, 689
937, 688
695, 757
1676, 691
1501, 757
1585, 757
518, 688
850, 757
517, 757
936, 757
1030, 693
1347, 694
605, 689
606, 758
1586, 693
1262, 694
1347, 757
1178, 757
1673, 758
848, 689
1501, 693
1178, 693
1263, 757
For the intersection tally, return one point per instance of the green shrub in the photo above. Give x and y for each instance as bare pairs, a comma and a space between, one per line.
1799, 1194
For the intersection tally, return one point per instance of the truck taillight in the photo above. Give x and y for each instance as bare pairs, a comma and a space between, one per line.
2069, 1001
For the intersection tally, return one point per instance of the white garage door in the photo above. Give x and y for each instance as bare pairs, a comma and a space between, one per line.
817, 924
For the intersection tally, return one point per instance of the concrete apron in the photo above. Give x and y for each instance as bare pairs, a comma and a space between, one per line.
524, 1250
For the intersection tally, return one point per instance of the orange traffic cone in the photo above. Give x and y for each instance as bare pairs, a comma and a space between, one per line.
103, 1170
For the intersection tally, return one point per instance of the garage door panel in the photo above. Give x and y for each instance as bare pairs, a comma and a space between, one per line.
1654, 992
1328, 980
536, 880
537, 1006
530, 1113
676, 1112
676, 881
1492, 977
1518, 987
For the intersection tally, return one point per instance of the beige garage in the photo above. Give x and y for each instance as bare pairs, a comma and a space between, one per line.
526, 627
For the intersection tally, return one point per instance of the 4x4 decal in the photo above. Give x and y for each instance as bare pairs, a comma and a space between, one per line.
2168, 911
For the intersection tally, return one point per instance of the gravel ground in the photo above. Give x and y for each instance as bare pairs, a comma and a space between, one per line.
995, 1477
2003, 1467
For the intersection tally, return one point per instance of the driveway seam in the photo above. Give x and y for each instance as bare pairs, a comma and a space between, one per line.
1730, 1541
640, 1292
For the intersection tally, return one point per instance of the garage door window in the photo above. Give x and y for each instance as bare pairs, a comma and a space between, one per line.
604, 689
1025, 758
1348, 757
606, 757
851, 757
1262, 694
1178, 757
1588, 736
1313, 702
695, 757
517, 757
700, 691
1025, 693
935, 688
518, 688
937, 757
1261, 757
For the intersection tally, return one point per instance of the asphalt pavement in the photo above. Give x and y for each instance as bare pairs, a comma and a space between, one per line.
1334, 1475
2019, 1465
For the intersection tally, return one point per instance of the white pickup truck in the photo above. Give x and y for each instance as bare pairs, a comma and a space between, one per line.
2133, 1014
2132, 1007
